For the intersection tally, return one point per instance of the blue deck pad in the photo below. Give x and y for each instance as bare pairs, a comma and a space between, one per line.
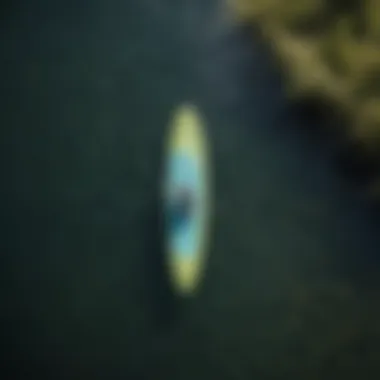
184, 236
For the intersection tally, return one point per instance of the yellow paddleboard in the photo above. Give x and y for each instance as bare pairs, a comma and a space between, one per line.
186, 223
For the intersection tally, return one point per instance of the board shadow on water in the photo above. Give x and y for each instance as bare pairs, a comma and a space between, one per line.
167, 307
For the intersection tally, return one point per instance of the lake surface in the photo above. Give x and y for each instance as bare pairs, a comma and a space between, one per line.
292, 286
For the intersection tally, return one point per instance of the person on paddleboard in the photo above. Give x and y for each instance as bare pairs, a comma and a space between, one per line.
182, 205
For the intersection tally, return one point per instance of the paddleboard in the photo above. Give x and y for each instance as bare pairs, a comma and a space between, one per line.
186, 200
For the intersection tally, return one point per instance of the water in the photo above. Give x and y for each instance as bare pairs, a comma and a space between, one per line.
88, 89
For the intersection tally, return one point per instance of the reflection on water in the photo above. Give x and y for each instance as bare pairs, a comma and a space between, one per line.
292, 286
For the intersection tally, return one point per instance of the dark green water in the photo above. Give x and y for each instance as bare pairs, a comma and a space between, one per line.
292, 288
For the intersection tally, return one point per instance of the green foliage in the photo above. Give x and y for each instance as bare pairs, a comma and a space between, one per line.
329, 48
